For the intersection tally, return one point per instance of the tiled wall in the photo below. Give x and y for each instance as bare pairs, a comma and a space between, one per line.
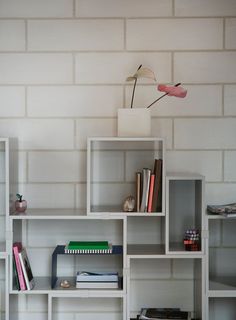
63, 65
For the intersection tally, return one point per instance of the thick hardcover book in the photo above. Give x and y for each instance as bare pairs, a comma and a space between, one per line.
97, 285
15, 275
157, 193
17, 247
150, 195
97, 277
145, 189
28, 275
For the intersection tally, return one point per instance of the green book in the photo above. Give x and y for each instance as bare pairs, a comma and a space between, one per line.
88, 245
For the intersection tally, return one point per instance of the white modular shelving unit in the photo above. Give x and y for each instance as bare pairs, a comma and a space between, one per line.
156, 272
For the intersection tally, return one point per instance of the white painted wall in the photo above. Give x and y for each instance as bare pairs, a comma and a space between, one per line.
63, 65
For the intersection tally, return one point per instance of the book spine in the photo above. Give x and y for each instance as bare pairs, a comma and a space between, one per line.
138, 190
18, 268
24, 272
146, 182
88, 251
150, 196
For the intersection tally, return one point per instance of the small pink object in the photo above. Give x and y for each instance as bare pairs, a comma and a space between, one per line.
20, 206
175, 91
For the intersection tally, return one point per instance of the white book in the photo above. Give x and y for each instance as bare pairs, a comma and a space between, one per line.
97, 285
28, 276
145, 189
100, 277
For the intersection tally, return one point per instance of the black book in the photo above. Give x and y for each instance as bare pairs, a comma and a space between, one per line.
164, 313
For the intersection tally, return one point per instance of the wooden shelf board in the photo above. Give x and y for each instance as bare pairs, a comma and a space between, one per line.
117, 210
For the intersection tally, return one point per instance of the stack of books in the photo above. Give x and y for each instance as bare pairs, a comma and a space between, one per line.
164, 314
23, 276
88, 247
226, 210
91, 280
149, 188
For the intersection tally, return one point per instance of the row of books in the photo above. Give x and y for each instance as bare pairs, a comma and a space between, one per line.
164, 314
23, 275
149, 188
92, 280
88, 247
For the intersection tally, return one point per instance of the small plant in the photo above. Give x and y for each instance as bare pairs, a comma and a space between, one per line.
142, 72
20, 203
19, 197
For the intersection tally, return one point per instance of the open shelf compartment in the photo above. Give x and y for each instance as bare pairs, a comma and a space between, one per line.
222, 257
111, 170
185, 204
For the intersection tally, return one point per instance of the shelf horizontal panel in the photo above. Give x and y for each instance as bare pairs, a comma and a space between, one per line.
222, 286
50, 214
183, 176
111, 210
43, 286
218, 217
145, 249
178, 248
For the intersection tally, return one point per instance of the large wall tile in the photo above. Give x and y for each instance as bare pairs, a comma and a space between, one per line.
205, 133
123, 8
22, 68
83, 35
36, 9
205, 8
205, 67
174, 34
93, 67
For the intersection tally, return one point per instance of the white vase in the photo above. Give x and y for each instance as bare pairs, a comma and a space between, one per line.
135, 122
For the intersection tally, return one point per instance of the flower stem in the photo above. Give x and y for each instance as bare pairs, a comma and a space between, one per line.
165, 94
135, 82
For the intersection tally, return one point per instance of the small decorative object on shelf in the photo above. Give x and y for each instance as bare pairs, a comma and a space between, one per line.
192, 240
65, 284
129, 204
20, 204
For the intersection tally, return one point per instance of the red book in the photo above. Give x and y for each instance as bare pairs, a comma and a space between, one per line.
151, 189
17, 247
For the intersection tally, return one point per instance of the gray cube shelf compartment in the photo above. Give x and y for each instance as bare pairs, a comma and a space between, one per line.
170, 282
185, 210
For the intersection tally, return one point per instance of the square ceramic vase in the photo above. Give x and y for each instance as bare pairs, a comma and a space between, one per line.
135, 122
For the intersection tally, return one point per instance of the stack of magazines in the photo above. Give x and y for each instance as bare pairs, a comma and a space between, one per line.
226, 210
92, 280
164, 314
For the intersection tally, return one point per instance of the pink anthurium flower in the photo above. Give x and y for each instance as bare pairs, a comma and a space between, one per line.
175, 91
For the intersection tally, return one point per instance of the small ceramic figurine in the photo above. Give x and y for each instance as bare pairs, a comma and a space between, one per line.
65, 284
129, 204
20, 204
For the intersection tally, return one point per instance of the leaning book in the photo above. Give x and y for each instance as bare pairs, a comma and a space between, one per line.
27, 272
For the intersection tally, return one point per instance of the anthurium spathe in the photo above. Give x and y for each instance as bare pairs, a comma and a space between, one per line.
142, 72
175, 91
